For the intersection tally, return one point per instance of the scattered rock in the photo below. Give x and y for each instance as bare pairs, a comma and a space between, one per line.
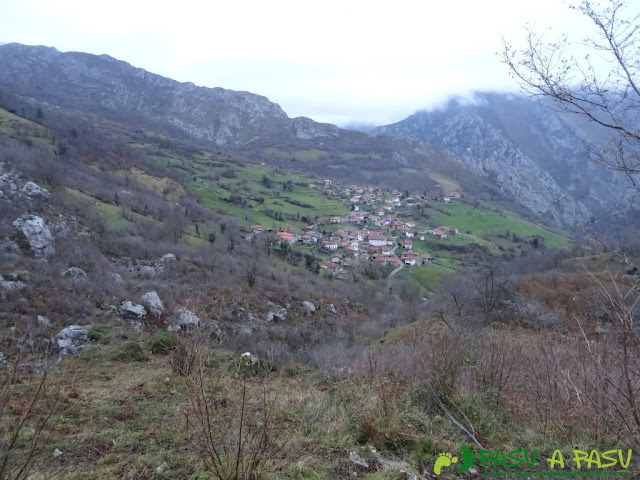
116, 278
357, 459
331, 308
152, 300
183, 319
11, 285
162, 467
168, 257
32, 189
75, 273
147, 271
44, 321
72, 339
276, 313
132, 311
3, 360
37, 234
600, 330
308, 307
249, 358
57, 453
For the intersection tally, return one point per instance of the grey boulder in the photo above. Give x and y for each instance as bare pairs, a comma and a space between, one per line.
72, 339
37, 235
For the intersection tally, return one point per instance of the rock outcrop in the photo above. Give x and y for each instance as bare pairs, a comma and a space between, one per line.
11, 284
308, 307
182, 319
152, 301
32, 189
37, 235
72, 339
132, 311
75, 273
276, 313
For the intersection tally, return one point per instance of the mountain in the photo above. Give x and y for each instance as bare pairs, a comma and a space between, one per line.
531, 152
242, 122
95, 83
502, 149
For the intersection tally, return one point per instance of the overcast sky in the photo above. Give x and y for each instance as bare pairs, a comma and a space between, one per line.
333, 61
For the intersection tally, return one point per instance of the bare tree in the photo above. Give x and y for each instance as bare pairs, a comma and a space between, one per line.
490, 287
597, 78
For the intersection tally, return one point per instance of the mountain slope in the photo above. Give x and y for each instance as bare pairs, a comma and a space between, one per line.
494, 157
240, 121
92, 82
527, 149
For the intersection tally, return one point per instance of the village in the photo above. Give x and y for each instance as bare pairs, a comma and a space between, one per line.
371, 232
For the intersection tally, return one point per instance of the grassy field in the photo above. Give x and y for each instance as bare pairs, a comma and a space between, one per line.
484, 222
122, 411
28, 132
265, 191
431, 275
448, 184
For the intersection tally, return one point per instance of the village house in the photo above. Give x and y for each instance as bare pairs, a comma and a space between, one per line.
286, 237
441, 232
377, 240
336, 257
360, 234
407, 244
309, 239
450, 197
411, 258
257, 228
330, 267
335, 220
330, 244
393, 261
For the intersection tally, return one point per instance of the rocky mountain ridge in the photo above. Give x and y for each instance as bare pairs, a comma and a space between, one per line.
528, 150
502, 148
225, 117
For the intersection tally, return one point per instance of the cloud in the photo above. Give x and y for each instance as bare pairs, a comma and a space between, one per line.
335, 61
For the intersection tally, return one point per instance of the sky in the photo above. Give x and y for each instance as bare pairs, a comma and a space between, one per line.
342, 61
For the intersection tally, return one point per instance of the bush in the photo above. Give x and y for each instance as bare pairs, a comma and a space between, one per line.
184, 358
100, 333
129, 351
162, 343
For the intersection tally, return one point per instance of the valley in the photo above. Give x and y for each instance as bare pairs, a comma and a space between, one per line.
194, 285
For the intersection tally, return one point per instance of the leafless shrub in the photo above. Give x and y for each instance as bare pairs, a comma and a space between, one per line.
27, 411
497, 361
238, 432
